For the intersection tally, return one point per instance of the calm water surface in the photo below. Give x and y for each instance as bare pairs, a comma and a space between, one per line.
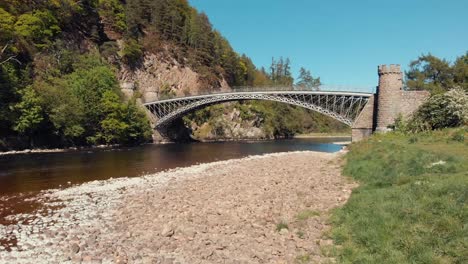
34, 172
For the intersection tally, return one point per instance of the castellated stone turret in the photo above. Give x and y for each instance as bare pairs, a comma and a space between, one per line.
392, 100
388, 95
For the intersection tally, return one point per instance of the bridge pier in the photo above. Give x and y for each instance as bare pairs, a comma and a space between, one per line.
363, 126
392, 100
387, 104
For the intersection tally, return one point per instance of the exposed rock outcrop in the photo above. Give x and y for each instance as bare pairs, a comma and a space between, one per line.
158, 76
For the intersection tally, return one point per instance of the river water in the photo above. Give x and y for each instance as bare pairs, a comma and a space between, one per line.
22, 176
39, 171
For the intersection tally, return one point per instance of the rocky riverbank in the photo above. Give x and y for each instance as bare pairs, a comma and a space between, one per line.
260, 209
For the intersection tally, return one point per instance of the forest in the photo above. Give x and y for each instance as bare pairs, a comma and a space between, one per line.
59, 61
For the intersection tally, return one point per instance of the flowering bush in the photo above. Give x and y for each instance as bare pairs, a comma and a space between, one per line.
449, 109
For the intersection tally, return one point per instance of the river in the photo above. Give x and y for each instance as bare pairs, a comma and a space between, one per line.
22, 176
32, 172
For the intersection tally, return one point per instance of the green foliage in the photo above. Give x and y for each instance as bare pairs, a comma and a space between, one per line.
63, 109
113, 14
7, 22
437, 75
449, 109
280, 72
30, 112
38, 27
123, 123
411, 206
460, 72
132, 52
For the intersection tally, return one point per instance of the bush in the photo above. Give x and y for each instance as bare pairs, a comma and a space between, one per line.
132, 52
449, 109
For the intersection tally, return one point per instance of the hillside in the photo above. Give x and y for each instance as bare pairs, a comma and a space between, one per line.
75, 72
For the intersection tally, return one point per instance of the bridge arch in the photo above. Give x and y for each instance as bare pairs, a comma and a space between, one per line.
342, 106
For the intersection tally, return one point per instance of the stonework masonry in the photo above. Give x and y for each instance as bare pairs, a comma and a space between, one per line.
392, 100
387, 104
363, 126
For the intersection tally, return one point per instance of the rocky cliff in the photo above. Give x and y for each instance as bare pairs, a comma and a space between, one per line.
160, 76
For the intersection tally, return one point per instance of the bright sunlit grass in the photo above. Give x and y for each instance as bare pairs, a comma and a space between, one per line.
411, 206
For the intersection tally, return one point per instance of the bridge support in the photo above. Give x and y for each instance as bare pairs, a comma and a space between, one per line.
392, 100
364, 124
387, 104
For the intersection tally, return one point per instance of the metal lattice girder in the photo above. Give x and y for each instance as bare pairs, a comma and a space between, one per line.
342, 106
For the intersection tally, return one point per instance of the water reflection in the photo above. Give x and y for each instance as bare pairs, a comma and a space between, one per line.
33, 172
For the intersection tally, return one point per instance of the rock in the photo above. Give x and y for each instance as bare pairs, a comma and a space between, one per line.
284, 231
167, 231
74, 248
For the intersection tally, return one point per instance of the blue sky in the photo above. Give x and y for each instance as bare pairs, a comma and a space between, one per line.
342, 41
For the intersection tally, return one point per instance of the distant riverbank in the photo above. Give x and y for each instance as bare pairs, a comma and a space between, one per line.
266, 208
324, 135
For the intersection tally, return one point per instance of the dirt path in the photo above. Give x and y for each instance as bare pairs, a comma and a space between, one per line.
261, 209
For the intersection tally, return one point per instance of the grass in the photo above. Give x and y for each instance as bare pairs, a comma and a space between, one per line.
303, 259
281, 225
411, 206
300, 234
306, 214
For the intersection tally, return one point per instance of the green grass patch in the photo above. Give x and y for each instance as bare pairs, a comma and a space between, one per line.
306, 214
411, 206
281, 225
303, 259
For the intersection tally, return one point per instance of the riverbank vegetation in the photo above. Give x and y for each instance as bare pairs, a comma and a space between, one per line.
437, 75
52, 96
412, 203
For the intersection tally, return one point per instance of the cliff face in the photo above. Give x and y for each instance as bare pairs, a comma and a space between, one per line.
160, 77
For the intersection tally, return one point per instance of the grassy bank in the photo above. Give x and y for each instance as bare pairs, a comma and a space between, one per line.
411, 206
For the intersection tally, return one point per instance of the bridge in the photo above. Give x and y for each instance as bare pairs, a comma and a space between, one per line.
359, 110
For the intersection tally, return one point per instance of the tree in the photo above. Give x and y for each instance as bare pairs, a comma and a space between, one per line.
29, 113
7, 49
429, 73
38, 27
113, 14
460, 72
63, 109
280, 72
307, 81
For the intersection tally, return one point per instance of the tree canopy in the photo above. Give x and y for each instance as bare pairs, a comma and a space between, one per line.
437, 75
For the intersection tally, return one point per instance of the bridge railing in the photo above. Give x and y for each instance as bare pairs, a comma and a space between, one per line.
324, 88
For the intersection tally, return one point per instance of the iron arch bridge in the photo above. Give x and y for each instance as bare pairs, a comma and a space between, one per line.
342, 106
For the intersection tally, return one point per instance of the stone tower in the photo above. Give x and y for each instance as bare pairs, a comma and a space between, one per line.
389, 93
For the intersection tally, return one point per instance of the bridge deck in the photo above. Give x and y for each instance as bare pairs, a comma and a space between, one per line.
255, 91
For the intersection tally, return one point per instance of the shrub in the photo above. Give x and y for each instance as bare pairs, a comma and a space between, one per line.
449, 109
132, 52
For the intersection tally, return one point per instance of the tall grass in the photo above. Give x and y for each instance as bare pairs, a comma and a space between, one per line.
411, 206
